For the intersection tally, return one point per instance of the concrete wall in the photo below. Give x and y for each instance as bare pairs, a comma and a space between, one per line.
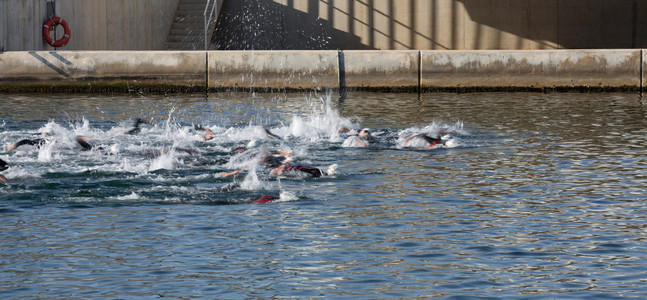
394, 70
95, 24
431, 24
340, 24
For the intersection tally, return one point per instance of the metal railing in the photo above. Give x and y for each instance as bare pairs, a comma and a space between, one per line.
207, 22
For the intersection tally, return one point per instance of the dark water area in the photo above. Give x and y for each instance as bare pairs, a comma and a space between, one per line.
532, 196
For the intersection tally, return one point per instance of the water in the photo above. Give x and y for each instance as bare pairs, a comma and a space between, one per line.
538, 196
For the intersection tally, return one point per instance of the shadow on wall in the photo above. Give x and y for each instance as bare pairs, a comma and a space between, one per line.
266, 25
565, 24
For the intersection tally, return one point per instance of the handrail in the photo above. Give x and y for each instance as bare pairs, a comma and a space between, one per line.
206, 23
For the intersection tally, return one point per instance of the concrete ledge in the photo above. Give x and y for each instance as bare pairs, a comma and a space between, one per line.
409, 71
557, 69
106, 69
382, 70
283, 70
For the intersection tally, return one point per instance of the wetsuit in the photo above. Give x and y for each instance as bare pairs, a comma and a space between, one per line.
35, 142
136, 130
270, 134
85, 145
273, 161
432, 141
310, 170
3, 166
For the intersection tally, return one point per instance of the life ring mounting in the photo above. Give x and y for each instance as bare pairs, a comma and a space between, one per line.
49, 25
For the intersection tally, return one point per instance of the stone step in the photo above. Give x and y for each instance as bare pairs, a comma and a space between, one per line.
187, 30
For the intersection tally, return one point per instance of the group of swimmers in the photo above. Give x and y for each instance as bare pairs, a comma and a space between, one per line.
277, 162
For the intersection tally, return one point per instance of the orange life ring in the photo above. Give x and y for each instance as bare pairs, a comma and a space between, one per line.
49, 26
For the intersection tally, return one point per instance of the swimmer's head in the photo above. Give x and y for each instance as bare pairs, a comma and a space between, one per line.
288, 160
239, 150
364, 133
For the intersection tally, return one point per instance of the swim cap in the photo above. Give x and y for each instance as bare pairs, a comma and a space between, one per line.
264, 199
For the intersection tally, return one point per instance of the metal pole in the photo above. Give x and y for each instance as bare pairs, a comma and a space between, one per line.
206, 7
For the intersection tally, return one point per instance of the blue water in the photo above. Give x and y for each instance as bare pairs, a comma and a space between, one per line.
537, 196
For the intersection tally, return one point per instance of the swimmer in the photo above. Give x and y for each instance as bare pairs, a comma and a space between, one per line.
270, 160
136, 129
360, 140
209, 132
83, 141
34, 142
433, 142
287, 166
270, 134
235, 186
3, 166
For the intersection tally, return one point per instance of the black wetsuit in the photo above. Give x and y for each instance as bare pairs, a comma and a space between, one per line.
432, 141
3, 165
86, 146
270, 134
35, 142
310, 170
273, 161
136, 130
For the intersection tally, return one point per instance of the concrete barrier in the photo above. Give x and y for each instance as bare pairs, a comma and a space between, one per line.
282, 70
101, 70
411, 71
533, 69
381, 70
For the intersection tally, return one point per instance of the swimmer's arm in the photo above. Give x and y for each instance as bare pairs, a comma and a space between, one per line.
285, 153
25, 142
270, 134
83, 141
3, 179
189, 151
278, 170
227, 174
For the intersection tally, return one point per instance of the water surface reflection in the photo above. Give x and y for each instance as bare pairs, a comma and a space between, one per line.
543, 197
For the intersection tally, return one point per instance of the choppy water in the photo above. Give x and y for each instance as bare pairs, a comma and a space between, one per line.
538, 196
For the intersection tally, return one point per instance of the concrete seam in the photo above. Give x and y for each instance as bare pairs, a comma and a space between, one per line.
341, 69
206, 71
419, 72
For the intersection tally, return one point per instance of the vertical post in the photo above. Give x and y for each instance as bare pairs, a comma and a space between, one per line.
420, 71
206, 74
51, 12
341, 67
642, 70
